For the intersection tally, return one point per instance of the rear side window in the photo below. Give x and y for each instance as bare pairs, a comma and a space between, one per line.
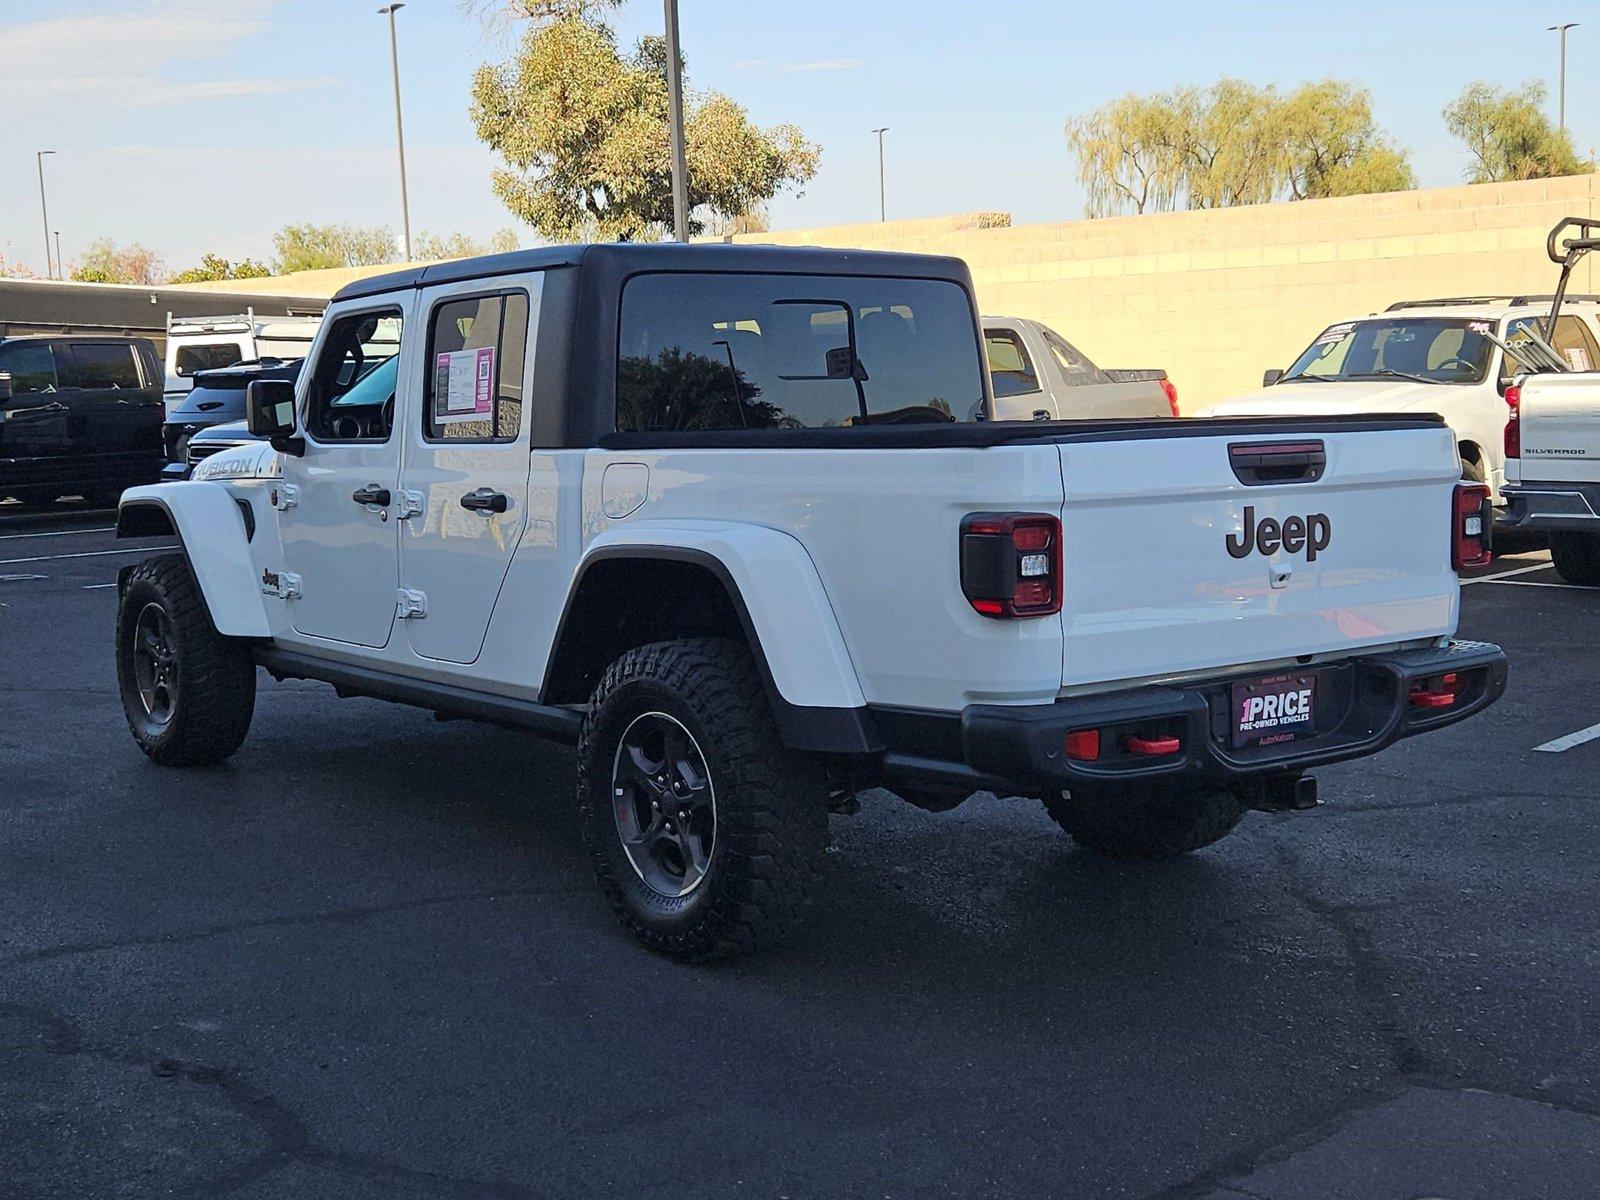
32, 366
722, 351
1075, 368
1010, 368
476, 350
105, 365
190, 359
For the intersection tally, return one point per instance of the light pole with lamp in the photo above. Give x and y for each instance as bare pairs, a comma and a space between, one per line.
882, 212
1562, 29
44, 212
389, 10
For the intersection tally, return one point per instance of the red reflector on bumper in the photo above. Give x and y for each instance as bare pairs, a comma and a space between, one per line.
1153, 747
1420, 699
1083, 745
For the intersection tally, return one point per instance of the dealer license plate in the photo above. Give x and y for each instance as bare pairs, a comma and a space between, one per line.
1279, 708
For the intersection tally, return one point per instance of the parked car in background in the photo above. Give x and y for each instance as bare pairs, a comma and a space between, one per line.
79, 416
196, 344
217, 398
1040, 376
1437, 356
1552, 448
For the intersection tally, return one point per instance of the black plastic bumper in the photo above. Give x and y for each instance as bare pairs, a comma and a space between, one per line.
1571, 507
1363, 705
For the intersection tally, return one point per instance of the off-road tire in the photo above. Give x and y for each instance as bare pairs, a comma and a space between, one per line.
1148, 827
1576, 557
770, 802
215, 695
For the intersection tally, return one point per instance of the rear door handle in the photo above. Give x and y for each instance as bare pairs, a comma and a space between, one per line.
485, 500
371, 494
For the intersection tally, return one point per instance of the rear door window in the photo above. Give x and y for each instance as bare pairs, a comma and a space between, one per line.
102, 366
206, 357
32, 366
476, 351
753, 352
1010, 368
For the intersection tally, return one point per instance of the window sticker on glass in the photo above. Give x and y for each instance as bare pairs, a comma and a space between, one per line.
1334, 333
1577, 358
1480, 326
463, 384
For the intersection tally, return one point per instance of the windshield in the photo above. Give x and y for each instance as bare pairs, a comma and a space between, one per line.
1422, 349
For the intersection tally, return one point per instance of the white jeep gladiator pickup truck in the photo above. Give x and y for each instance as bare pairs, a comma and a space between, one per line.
724, 516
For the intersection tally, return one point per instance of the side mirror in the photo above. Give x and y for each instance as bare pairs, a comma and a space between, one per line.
269, 413
5, 386
1268, 377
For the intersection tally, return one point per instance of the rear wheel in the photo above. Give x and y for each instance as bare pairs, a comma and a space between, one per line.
1154, 825
187, 691
1576, 557
706, 832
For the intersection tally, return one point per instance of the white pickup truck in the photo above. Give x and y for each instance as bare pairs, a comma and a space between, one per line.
1552, 448
1438, 356
724, 516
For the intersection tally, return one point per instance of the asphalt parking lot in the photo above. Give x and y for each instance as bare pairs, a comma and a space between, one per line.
366, 959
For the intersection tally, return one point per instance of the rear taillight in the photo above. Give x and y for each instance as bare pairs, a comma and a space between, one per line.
1470, 515
1171, 390
1514, 422
1011, 564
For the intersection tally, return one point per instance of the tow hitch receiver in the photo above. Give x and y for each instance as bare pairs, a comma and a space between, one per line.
1280, 793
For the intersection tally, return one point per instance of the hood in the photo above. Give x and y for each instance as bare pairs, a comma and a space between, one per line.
1344, 396
253, 460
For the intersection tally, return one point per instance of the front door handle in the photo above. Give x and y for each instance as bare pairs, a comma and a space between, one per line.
371, 494
485, 500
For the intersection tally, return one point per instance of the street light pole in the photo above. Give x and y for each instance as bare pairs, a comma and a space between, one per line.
399, 130
61, 266
1562, 29
44, 212
882, 212
680, 164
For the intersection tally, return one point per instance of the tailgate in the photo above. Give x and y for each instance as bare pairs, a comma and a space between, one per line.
1560, 419
1161, 579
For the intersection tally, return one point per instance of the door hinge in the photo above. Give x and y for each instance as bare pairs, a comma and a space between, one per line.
409, 505
411, 605
285, 496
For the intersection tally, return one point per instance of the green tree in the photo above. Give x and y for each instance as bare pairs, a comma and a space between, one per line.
214, 266
1232, 143
106, 262
309, 247
430, 247
1508, 135
582, 128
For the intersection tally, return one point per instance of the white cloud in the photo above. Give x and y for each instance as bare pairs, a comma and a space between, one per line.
765, 66
140, 55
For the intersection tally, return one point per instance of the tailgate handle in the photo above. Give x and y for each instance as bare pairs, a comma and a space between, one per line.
1257, 463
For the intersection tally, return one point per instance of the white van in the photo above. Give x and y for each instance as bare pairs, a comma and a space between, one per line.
203, 343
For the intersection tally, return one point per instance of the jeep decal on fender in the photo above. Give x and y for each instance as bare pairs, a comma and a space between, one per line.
1310, 533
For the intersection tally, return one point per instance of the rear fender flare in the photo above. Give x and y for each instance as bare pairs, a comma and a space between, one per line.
210, 527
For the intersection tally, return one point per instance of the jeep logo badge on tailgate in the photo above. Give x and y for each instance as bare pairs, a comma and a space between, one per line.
1310, 533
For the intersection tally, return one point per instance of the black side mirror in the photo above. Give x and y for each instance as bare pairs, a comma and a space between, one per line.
5, 386
1271, 376
269, 413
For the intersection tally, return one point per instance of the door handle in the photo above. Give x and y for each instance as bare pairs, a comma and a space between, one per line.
371, 494
485, 500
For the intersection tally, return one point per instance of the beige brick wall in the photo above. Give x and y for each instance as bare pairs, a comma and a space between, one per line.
1216, 297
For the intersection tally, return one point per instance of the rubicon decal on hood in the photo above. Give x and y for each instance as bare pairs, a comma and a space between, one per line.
1311, 533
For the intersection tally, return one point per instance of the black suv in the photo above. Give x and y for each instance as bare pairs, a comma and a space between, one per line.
217, 398
79, 416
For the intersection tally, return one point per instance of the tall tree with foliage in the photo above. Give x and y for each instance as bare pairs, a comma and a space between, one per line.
106, 262
431, 247
1509, 136
214, 267
1232, 143
582, 127
309, 247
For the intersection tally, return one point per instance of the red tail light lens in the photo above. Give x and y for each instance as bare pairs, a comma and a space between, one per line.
1083, 745
1514, 422
1011, 564
1470, 517
1171, 390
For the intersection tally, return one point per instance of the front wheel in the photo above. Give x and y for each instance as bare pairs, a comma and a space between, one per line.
706, 832
187, 691
1155, 825
1576, 557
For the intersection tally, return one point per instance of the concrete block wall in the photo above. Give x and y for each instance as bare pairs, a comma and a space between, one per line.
1216, 297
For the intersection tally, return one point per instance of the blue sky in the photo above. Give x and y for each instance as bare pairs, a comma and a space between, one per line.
194, 125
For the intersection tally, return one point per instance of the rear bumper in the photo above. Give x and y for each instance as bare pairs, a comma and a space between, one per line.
1364, 706
1553, 506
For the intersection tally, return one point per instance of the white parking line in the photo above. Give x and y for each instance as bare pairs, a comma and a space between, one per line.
58, 533
1571, 587
1544, 566
89, 587
20, 578
6, 562
1571, 740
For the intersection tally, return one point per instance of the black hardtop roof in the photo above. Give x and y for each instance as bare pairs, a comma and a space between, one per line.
627, 258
